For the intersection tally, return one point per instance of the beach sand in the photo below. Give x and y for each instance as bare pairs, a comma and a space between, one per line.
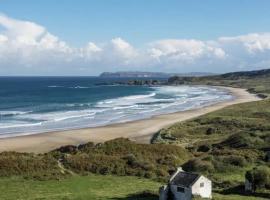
140, 131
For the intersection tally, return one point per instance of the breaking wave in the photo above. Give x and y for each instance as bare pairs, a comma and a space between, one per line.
106, 110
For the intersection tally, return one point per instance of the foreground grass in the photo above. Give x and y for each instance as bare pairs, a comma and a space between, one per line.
235, 197
94, 187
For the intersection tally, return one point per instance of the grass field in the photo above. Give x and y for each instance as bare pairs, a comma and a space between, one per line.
92, 187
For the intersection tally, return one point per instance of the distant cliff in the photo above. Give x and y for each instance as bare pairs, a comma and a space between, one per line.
147, 74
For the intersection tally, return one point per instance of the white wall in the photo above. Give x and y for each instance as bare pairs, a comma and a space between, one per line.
205, 191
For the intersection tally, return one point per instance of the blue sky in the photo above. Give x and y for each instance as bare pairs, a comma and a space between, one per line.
164, 28
141, 21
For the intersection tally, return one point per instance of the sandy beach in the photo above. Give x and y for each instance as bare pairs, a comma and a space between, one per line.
140, 131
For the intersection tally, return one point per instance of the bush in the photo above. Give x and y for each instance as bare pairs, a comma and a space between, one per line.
123, 157
41, 167
210, 131
259, 177
234, 160
204, 148
67, 149
198, 165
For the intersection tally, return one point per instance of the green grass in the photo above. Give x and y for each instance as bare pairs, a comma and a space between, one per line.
92, 187
225, 144
116, 157
250, 120
235, 197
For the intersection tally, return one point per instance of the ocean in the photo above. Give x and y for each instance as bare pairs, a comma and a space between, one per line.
30, 105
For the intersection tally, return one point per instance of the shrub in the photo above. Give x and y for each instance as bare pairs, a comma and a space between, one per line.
123, 157
29, 165
210, 131
259, 177
234, 160
204, 148
67, 149
198, 165
86, 147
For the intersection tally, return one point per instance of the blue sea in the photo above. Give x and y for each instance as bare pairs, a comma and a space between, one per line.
30, 105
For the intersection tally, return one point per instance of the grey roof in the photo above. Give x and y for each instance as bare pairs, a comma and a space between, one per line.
184, 179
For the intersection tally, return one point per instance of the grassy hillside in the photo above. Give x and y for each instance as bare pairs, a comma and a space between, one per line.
119, 157
67, 173
224, 144
255, 81
227, 143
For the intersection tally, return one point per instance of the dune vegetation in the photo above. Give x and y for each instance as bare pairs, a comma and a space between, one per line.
227, 143
223, 145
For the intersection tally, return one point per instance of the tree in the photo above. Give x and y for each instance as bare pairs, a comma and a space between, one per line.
258, 177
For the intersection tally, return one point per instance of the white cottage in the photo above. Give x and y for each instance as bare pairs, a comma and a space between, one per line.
184, 185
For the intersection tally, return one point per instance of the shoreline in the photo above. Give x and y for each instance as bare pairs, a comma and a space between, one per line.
140, 131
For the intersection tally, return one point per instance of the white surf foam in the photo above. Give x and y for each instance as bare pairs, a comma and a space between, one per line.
160, 100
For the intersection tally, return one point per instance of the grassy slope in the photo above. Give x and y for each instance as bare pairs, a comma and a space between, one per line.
94, 187
217, 126
239, 131
226, 143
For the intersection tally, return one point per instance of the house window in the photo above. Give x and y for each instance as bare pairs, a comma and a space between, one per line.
201, 184
180, 189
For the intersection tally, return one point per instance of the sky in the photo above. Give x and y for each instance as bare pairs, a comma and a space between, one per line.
87, 37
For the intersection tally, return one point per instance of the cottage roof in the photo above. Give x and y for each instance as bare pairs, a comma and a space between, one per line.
185, 179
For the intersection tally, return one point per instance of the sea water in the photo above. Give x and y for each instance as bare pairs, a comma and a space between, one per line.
30, 105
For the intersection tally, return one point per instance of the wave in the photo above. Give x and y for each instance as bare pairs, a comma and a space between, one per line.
124, 107
79, 87
55, 86
71, 87
59, 116
20, 125
139, 96
12, 113
73, 115
157, 100
126, 100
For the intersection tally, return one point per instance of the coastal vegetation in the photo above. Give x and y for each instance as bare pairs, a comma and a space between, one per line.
227, 146
108, 170
118, 157
229, 143
257, 82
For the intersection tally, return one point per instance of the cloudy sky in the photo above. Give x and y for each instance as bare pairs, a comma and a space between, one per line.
89, 37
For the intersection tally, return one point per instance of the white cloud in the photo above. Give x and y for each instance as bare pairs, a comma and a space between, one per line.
252, 42
3, 38
29, 48
184, 50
